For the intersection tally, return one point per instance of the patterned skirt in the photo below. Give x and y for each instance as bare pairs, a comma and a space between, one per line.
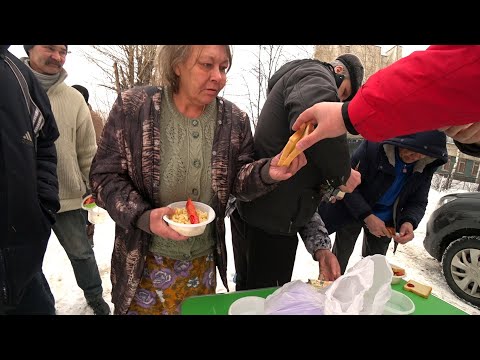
167, 282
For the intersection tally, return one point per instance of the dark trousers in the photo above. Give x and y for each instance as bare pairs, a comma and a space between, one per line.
71, 232
36, 300
261, 259
346, 237
90, 228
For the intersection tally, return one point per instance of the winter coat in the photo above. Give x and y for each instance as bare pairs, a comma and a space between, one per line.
423, 91
377, 167
125, 179
28, 180
295, 87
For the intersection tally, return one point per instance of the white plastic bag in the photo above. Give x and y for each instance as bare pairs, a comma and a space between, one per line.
363, 290
295, 298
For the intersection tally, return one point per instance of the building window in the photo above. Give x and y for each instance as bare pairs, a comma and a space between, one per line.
475, 168
461, 166
446, 166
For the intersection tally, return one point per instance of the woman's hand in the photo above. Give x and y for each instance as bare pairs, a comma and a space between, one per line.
281, 173
159, 227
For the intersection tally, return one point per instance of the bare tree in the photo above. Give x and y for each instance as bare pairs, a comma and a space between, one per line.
453, 170
124, 66
268, 59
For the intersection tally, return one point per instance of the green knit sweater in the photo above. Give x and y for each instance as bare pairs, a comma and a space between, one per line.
185, 168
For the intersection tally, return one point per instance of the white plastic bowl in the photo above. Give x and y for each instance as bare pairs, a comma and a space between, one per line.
399, 304
248, 305
190, 229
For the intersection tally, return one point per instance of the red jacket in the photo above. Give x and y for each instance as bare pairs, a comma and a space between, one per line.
423, 91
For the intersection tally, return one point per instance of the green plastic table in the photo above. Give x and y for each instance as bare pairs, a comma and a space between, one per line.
219, 304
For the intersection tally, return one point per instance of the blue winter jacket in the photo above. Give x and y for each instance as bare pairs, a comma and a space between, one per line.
377, 167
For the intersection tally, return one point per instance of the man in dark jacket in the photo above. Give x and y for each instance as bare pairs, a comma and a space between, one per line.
396, 179
28, 188
264, 231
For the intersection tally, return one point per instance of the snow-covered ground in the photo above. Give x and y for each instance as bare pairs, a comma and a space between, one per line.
412, 256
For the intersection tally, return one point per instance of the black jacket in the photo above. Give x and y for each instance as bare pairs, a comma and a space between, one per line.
469, 149
28, 180
295, 87
377, 167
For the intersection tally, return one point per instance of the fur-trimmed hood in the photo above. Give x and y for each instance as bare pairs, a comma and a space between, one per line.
433, 144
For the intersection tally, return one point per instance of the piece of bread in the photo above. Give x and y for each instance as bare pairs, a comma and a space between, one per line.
319, 284
290, 152
417, 288
397, 270
391, 230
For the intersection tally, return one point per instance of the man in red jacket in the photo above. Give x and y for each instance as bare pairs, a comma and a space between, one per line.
431, 89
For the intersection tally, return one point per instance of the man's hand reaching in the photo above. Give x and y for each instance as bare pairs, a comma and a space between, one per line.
328, 119
328, 266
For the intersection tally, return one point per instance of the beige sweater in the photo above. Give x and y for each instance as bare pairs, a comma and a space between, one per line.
76, 145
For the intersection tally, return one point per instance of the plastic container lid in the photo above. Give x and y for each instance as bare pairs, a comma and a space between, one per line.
248, 305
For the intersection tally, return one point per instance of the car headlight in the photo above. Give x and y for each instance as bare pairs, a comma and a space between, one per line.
444, 200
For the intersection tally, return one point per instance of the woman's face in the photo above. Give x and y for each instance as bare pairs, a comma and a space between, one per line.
203, 75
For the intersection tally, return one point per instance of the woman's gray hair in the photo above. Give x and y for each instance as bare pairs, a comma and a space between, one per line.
169, 56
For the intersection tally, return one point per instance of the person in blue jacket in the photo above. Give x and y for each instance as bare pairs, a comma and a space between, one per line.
396, 178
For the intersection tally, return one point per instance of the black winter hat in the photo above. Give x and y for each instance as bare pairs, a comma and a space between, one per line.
83, 91
355, 70
29, 47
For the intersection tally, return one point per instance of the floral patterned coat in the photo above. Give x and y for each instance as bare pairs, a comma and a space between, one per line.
125, 179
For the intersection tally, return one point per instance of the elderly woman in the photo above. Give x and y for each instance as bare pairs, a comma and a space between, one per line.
170, 143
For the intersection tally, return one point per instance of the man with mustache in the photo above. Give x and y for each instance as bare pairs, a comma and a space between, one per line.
76, 148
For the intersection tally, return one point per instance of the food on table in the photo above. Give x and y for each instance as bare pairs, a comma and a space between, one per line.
397, 270
418, 288
319, 284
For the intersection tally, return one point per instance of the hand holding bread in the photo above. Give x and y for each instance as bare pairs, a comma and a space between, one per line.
290, 151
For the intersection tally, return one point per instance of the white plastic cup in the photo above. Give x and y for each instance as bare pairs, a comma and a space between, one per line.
96, 214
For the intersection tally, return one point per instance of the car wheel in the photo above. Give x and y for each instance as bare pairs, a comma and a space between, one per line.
461, 268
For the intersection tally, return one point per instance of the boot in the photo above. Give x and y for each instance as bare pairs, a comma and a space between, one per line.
99, 306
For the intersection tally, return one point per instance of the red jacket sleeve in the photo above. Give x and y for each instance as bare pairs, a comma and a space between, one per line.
423, 91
